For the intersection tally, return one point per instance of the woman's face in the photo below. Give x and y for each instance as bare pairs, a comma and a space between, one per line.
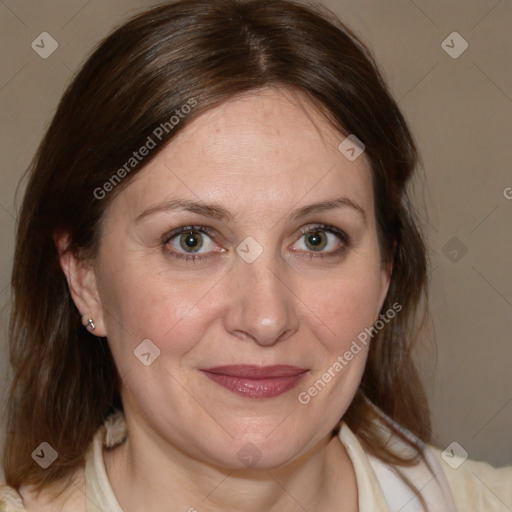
259, 312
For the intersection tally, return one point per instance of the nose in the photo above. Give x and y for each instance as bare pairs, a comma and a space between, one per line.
263, 307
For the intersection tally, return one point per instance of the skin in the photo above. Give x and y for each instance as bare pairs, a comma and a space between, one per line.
260, 156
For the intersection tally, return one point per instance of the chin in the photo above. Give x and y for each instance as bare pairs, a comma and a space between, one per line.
257, 453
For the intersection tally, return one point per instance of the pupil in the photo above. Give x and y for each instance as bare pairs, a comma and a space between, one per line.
316, 239
191, 241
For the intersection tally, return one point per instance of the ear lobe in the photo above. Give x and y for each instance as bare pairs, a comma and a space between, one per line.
81, 280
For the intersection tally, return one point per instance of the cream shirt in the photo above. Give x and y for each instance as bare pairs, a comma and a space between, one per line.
474, 486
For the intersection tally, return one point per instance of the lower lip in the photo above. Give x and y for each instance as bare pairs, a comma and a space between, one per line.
268, 387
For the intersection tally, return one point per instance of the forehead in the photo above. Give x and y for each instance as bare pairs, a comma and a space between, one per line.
258, 153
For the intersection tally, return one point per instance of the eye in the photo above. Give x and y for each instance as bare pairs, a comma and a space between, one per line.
193, 243
324, 240
189, 242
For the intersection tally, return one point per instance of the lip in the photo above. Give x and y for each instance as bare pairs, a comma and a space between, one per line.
253, 381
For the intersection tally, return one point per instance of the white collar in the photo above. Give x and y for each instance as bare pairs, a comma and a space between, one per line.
379, 487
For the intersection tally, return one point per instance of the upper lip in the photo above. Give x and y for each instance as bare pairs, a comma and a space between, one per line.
257, 372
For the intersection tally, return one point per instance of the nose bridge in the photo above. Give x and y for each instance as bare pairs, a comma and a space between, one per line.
262, 307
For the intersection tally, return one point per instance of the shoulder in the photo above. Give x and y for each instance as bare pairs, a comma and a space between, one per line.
69, 495
461, 484
10, 500
67, 498
476, 485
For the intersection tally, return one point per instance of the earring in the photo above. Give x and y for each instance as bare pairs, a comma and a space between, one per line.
90, 324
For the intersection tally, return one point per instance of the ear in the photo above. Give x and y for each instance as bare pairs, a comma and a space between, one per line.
81, 279
385, 279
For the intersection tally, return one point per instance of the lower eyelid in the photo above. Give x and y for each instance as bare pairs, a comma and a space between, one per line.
343, 238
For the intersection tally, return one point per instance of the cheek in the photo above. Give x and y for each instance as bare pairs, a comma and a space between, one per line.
341, 316
347, 305
143, 301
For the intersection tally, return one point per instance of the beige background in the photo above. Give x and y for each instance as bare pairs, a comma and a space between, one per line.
460, 112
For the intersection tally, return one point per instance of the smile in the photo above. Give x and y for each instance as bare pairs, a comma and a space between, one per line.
256, 381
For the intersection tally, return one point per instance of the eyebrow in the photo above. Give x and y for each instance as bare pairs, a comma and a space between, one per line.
220, 213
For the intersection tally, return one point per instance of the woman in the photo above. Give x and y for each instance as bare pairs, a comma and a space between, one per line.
217, 280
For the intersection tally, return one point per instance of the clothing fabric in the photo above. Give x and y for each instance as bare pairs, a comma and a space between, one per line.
471, 487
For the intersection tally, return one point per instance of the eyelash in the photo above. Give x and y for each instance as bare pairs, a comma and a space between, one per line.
345, 239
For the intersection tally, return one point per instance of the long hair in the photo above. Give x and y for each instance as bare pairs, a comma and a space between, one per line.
134, 87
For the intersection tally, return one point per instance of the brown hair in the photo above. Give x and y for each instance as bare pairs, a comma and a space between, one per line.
193, 52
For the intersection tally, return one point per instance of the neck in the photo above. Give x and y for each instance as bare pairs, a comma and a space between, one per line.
144, 477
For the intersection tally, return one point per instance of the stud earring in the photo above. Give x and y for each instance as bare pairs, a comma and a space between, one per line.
90, 324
